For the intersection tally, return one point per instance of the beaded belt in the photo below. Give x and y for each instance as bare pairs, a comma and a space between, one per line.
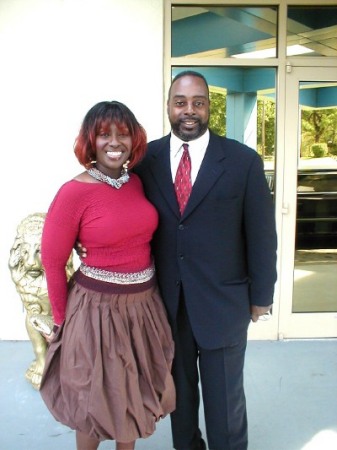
117, 277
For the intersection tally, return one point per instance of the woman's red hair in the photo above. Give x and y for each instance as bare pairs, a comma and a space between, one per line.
101, 116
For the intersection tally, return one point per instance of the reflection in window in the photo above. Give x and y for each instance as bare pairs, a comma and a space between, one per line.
318, 149
315, 255
223, 31
251, 32
312, 31
217, 120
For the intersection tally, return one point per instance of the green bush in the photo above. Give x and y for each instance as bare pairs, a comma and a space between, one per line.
319, 150
332, 149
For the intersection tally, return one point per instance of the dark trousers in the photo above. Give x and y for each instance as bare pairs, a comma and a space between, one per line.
221, 375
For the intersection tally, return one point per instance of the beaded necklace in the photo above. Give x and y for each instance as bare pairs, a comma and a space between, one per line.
116, 183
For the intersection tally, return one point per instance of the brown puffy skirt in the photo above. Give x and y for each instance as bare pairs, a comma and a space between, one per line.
108, 371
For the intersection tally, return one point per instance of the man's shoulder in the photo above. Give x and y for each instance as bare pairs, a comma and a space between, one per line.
231, 145
157, 143
153, 148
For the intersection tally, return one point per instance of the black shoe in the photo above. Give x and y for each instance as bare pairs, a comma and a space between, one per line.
201, 446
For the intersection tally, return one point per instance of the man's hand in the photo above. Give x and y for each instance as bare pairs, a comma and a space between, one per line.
80, 250
257, 311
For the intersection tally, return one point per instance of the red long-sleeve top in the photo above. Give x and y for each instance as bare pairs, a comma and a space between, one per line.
115, 226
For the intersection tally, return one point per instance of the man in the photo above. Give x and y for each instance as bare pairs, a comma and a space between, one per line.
215, 262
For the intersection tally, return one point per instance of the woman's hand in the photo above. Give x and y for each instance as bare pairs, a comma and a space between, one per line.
50, 337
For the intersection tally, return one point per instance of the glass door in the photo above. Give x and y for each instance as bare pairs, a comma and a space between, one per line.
308, 241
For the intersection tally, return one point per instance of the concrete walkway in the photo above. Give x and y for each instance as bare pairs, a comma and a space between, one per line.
291, 389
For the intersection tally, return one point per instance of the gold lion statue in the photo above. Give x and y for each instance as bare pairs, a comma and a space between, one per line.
30, 281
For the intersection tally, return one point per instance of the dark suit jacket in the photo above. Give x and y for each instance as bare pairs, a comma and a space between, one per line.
222, 250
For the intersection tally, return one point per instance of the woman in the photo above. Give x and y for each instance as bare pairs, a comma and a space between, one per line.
107, 371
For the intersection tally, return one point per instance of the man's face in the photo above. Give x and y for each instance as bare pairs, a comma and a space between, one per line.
188, 108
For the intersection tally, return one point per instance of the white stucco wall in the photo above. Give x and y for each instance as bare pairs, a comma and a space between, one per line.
59, 58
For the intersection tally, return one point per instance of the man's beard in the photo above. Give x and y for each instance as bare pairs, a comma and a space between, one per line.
187, 136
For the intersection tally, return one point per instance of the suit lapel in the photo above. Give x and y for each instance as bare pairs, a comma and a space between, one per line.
161, 172
211, 169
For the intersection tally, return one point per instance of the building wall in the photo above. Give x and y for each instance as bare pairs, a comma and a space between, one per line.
59, 58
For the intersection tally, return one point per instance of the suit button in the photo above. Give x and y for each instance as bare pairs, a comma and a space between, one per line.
181, 227
181, 256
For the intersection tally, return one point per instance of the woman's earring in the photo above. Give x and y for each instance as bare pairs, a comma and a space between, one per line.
91, 163
125, 167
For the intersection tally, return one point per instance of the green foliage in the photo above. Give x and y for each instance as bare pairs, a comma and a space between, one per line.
217, 121
332, 148
318, 126
266, 121
318, 150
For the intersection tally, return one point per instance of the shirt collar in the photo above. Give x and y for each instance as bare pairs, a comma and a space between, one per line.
176, 143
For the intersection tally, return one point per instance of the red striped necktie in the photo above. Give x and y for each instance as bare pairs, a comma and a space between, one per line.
182, 182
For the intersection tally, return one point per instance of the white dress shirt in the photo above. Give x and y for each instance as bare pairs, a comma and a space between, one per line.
197, 149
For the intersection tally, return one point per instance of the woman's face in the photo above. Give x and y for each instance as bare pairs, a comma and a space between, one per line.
113, 149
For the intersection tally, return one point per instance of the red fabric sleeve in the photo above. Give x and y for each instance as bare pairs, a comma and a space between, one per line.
58, 239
